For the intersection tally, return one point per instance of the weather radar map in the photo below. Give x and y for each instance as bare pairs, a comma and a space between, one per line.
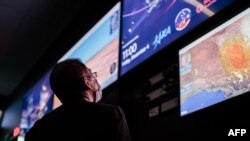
216, 67
150, 25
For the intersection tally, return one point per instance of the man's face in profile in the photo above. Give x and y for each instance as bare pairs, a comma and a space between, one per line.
93, 85
92, 77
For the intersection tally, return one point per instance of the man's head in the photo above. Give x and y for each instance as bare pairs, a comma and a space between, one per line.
71, 79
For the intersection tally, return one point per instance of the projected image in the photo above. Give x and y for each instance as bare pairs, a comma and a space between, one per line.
216, 67
150, 25
36, 104
99, 48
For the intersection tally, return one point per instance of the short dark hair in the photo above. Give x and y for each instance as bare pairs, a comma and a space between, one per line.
66, 80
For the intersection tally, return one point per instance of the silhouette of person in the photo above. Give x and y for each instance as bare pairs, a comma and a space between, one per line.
79, 117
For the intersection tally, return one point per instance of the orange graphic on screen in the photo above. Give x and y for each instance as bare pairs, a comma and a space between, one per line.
235, 55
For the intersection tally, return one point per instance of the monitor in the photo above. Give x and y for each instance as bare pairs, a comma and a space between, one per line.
99, 48
151, 25
216, 67
36, 103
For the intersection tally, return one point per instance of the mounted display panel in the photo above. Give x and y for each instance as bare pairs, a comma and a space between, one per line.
99, 49
151, 25
37, 102
216, 67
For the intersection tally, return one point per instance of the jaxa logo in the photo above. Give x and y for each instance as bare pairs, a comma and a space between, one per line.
235, 132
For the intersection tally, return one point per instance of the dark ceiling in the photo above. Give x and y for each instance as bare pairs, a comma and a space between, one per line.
29, 28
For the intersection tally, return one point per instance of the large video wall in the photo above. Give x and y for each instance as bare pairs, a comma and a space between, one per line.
113, 49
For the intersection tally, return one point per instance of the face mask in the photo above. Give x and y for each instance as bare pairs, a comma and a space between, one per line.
98, 95
98, 91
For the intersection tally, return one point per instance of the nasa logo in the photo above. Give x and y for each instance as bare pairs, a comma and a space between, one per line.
182, 19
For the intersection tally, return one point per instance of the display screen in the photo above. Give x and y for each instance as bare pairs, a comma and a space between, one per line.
151, 25
99, 48
37, 102
216, 67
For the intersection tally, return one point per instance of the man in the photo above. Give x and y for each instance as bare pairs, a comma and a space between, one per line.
80, 117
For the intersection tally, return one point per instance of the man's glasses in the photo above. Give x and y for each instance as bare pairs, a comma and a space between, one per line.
93, 74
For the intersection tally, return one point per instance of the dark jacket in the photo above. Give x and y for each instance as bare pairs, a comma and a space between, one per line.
82, 121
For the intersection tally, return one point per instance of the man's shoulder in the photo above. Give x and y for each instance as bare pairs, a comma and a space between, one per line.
83, 109
114, 110
107, 107
49, 117
92, 106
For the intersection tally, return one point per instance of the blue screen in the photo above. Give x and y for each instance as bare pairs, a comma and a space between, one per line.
37, 102
151, 25
226, 71
99, 48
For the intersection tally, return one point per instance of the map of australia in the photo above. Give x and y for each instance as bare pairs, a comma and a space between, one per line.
217, 68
